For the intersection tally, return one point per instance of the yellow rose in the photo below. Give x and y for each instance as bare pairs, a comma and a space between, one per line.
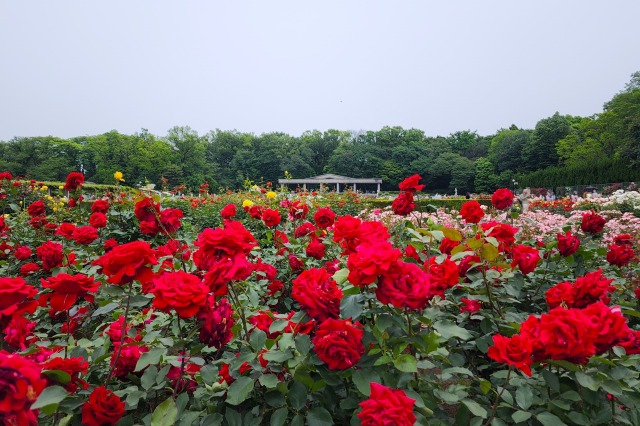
247, 203
118, 176
63, 200
271, 194
44, 188
61, 187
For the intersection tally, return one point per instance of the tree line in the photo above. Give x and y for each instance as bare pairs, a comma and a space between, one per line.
559, 147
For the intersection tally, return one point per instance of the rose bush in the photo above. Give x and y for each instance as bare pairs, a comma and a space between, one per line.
138, 310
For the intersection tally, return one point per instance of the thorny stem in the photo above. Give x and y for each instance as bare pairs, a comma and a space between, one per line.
236, 301
66, 348
494, 407
123, 335
182, 362
494, 306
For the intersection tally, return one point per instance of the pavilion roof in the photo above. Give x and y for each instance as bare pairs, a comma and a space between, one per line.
330, 178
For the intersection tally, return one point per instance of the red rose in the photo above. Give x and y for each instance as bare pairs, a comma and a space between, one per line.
295, 263
100, 206
410, 184
514, 351
592, 223
620, 255
505, 234
562, 334
20, 386
346, 232
215, 244
18, 333
403, 204
72, 366
405, 285
444, 275
609, 325
568, 244
223, 271
146, 210
502, 199
271, 217
561, 293
67, 289
298, 210
50, 254
85, 235
470, 305
527, 258
183, 292
109, 244
324, 217
29, 268
103, 408
316, 249
472, 212
74, 181
126, 363
65, 230
22, 253
228, 211
98, 220
387, 406
447, 245
307, 228
170, 220
317, 293
216, 320
6, 176
338, 343
369, 261
36, 209
623, 239
128, 262
256, 212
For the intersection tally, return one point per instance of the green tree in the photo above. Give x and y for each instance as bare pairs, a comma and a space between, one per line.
540, 151
485, 177
506, 149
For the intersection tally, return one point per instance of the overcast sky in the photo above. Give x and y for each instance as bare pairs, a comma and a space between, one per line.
70, 68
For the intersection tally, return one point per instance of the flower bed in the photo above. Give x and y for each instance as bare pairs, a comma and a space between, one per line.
258, 309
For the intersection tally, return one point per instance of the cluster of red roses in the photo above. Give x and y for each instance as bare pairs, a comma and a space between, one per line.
580, 325
153, 220
403, 203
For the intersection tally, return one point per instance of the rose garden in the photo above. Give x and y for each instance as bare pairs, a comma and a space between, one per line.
261, 307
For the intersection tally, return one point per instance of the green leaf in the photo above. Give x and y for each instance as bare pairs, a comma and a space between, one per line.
239, 390
269, 381
50, 395
524, 397
149, 358
587, 381
319, 416
148, 379
363, 378
165, 414
548, 419
475, 408
209, 374
341, 276
485, 386
303, 344
552, 380
352, 306
279, 417
297, 395
257, 339
59, 376
105, 309
406, 363
521, 416
447, 329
